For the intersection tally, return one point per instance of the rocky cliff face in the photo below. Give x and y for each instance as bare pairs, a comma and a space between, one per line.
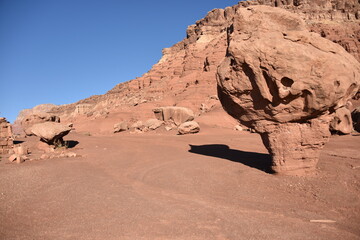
185, 75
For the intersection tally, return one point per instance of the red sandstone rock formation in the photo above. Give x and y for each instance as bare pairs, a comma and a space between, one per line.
185, 75
284, 82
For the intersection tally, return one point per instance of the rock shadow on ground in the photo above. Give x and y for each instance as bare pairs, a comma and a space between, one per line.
260, 161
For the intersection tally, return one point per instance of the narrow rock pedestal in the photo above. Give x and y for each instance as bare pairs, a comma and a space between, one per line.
295, 147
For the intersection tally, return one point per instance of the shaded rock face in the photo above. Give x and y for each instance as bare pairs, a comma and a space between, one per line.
50, 132
6, 136
284, 81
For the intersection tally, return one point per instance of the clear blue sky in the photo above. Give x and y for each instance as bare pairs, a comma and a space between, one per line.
61, 51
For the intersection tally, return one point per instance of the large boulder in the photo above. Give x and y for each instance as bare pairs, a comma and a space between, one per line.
176, 114
40, 117
51, 132
153, 123
284, 81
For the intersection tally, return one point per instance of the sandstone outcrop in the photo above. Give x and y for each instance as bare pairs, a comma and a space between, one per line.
6, 136
50, 132
188, 128
178, 115
284, 81
29, 120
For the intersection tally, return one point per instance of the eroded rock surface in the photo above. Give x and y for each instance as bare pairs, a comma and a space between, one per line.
188, 128
284, 81
6, 136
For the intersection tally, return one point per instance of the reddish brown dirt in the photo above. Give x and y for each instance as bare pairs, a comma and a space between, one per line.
153, 186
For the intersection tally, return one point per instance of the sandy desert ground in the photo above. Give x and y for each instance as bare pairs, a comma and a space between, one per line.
159, 185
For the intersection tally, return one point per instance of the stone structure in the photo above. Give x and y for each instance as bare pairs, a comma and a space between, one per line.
285, 82
6, 136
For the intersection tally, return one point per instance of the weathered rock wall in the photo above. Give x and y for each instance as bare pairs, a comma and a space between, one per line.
6, 136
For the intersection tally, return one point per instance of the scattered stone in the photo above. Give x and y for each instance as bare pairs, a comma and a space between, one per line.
153, 124
137, 126
188, 127
50, 132
13, 158
168, 128
121, 127
71, 154
178, 115
214, 97
204, 108
238, 128
286, 102
341, 122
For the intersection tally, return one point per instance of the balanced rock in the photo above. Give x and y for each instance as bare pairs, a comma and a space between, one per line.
284, 81
188, 127
50, 132
40, 117
176, 114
